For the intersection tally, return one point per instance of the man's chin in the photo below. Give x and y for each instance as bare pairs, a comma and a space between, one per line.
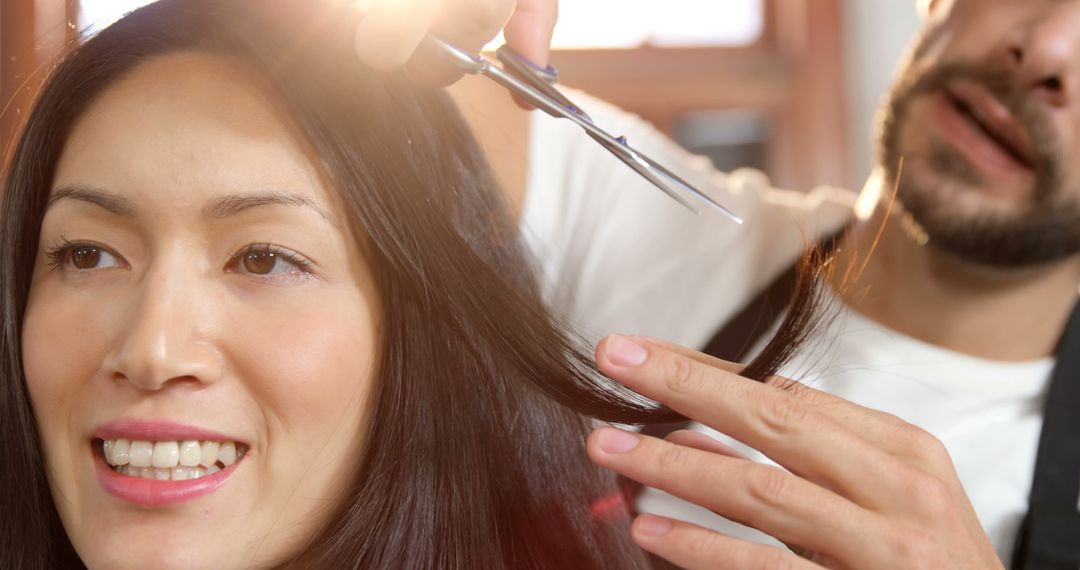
974, 224
954, 196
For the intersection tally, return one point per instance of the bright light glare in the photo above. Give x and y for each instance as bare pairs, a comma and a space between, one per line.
585, 24
94, 15
672, 23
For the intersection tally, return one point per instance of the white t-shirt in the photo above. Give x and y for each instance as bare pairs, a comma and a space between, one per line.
617, 255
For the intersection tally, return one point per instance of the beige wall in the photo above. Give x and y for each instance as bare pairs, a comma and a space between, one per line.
876, 35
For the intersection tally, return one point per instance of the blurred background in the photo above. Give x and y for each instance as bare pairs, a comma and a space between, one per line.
788, 86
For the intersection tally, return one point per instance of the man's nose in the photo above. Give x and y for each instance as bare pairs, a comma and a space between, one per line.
163, 338
1045, 53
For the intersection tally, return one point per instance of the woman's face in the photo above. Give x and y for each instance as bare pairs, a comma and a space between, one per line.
202, 329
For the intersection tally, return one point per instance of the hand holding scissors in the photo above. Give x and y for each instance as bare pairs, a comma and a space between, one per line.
391, 33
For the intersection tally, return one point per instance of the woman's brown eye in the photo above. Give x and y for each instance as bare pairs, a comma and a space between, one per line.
260, 262
86, 257
268, 261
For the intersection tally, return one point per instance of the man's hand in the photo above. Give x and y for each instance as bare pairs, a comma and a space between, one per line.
390, 33
860, 488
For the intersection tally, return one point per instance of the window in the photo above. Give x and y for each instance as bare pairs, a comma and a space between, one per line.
587, 24
97, 14
593, 24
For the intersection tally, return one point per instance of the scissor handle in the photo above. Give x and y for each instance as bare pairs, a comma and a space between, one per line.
523, 66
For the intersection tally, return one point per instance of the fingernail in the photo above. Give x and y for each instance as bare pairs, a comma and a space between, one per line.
617, 441
622, 351
648, 525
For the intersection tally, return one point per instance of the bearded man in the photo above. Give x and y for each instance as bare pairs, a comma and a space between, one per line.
913, 439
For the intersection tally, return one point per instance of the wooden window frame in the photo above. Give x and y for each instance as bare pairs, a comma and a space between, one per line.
794, 75
33, 33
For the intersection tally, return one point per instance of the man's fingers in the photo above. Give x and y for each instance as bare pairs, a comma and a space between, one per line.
530, 29
770, 420
390, 35
467, 24
695, 548
767, 498
877, 427
391, 30
701, 357
688, 438
884, 431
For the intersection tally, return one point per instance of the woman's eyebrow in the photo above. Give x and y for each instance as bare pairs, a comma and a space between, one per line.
236, 203
116, 204
220, 208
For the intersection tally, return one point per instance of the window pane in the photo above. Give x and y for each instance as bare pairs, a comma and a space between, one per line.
672, 23
97, 14
583, 24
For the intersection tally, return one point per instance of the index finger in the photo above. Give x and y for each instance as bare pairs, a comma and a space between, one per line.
390, 31
882, 432
885, 431
770, 420
530, 29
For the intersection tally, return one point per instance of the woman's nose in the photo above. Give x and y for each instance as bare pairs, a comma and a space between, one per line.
164, 336
1044, 54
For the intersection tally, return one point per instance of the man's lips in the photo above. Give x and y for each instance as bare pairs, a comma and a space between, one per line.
994, 119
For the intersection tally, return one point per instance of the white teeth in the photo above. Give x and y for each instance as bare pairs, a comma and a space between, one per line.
171, 460
209, 453
120, 452
227, 455
179, 473
140, 453
190, 453
166, 454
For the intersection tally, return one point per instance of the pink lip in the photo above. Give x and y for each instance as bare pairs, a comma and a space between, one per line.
151, 492
157, 431
154, 493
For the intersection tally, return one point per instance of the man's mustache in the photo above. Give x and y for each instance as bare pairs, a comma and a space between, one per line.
1005, 88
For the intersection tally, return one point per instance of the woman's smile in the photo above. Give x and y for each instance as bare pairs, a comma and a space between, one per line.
155, 464
217, 308
265, 308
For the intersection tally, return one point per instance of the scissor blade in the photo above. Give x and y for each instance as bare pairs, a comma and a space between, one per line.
641, 163
561, 107
643, 170
669, 175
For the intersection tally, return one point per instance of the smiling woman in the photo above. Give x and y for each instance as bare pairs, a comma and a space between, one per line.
262, 307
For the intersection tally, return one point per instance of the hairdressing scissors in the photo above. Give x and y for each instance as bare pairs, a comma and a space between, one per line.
536, 85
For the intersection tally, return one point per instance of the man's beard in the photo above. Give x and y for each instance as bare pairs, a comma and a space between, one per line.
1046, 229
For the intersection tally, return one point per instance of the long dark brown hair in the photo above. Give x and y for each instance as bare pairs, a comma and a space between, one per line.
474, 454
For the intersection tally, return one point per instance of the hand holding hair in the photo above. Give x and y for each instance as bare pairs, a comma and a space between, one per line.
389, 35
860, 488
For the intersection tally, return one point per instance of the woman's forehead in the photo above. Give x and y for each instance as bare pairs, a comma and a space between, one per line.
183, 129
